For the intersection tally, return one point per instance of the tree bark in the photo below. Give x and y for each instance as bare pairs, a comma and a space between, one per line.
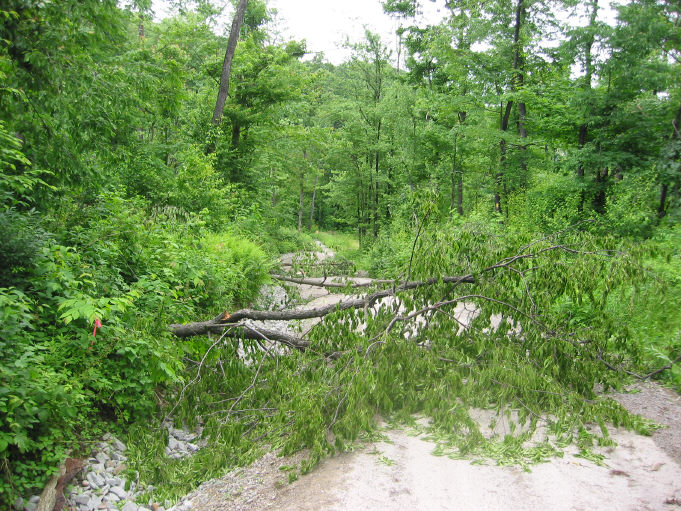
664, 187
499, 179
227, 64
225, 320
459, 199
588, 74
314, 195
300, 200
519, 80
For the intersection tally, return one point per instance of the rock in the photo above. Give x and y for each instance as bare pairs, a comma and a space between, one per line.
102, 457
19, 504
119, 491
173, 444
110, 464
192, 447
94, 502
96, 480
118, 445
34, 500
97, 467
85, 483
30, 507
112, 497
130, 506
120, 468
114, 481
82, 499
119, 457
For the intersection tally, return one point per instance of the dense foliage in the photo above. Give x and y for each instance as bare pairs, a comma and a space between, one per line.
122, 204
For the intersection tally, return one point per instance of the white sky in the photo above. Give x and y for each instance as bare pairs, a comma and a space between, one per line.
326, 24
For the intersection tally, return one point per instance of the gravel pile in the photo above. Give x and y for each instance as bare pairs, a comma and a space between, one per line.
101, 484
182, 443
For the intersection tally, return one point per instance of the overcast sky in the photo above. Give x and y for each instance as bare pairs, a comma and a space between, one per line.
327, 24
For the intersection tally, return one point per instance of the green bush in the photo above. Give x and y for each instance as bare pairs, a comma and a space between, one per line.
134, 273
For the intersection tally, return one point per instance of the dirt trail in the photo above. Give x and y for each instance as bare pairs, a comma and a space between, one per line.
641, 473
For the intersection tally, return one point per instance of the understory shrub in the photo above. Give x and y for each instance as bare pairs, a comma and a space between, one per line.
134, 274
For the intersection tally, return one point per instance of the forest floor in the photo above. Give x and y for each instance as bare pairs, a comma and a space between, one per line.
400, 472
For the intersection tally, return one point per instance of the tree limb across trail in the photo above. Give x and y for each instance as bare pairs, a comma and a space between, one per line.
236, 324
224, 320
334, 283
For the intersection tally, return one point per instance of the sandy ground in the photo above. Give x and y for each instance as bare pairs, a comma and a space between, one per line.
403, 474
641, 473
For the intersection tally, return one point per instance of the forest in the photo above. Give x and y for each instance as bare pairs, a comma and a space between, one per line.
522, 155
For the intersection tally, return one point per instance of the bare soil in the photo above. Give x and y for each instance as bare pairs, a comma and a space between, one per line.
401, 473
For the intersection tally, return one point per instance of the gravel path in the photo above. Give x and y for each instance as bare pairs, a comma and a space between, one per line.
403, 474
642, 473
661, 405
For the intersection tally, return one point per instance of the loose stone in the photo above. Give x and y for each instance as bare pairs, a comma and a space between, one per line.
82, 499
118, 445
119, 492
173, 444
114, 481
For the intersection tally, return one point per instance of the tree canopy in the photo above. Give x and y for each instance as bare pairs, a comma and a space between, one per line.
127, 196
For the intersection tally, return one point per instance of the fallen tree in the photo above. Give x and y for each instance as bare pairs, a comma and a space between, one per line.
343, 371
227, 319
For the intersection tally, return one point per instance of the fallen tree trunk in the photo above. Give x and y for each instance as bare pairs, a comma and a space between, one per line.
219, 323
226, 319
331, 281
241, 331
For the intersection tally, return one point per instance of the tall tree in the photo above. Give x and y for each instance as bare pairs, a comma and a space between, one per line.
223, 91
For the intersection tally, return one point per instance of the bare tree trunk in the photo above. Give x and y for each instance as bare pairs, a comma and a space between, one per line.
588, 65
519, 81
499, 179
662, 207
378, 138
301, 196
227, 64
314, 195
459, 200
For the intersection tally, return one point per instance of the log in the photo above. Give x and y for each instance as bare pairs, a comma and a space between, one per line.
331, 281
244, 331
219, 323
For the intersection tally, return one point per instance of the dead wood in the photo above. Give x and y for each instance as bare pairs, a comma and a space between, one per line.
219, 323
225, 320
332, 281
